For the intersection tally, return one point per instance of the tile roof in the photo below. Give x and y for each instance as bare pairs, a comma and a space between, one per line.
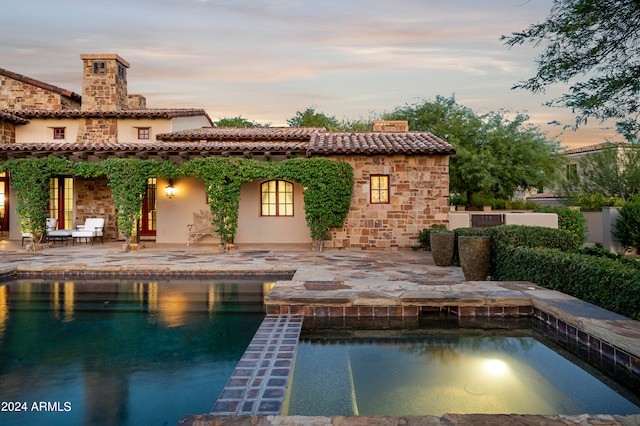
378, 143
242, 133
40, 84
307, 141
11, 117
591, 148
150, 147
124, 113
320, 141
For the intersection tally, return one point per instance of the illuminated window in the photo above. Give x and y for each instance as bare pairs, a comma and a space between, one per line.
143, 132
276, 198
379, 189
58, 133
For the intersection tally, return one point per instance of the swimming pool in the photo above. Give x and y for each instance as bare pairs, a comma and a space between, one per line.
493, 367
121, 352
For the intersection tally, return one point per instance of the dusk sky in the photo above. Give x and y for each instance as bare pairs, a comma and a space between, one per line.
265, 60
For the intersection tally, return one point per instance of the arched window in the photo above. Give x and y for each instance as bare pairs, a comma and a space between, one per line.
276, 198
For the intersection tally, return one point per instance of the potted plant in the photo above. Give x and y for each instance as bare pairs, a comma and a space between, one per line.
474, 252
442, 244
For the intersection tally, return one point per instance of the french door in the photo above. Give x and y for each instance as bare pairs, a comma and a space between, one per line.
61, 201
148, 217
4, 203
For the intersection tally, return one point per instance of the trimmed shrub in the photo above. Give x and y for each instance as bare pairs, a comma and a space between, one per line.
599, 251
535, 236
570, 220
604, 282
628, 225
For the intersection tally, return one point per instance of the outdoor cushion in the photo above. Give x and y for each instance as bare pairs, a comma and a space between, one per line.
93, 225
51, 224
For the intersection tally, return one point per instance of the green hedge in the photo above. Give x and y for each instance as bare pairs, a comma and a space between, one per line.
604, 282
570, 220
535, 236
551, 258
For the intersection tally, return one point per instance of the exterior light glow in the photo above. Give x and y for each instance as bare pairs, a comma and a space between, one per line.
170, 190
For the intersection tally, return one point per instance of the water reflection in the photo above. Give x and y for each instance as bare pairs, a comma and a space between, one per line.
4, 310
138, 352
438, 371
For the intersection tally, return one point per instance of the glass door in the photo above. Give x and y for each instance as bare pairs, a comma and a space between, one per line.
148, 222
61, 201
4, 203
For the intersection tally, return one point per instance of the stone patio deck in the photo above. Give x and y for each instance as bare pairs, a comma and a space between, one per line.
338, 284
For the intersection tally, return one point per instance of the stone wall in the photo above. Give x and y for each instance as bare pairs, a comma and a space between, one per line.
137, 102
93, 199
98, 130
419, 197
107, 91
7, 132
15, 94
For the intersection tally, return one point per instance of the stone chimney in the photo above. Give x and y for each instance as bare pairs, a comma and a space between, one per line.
137, 102
390, 126
104, 83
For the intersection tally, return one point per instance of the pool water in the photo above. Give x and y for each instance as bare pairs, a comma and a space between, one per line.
434, 371
121, 352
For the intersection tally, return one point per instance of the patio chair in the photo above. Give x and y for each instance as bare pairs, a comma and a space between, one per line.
62, 235
92, 228
200, 227
50, 225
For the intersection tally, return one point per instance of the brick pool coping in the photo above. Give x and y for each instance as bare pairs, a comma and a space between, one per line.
615, 337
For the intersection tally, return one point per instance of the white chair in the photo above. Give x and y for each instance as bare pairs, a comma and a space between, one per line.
51, 225
92, 228
61, 235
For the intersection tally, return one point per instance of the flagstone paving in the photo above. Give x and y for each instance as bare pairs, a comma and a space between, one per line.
347, 279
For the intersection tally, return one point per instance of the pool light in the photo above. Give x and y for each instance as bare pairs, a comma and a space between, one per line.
495, 367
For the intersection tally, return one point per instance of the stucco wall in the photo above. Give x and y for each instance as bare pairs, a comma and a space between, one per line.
187, 123
595, 231
419, 197
125, 130
174, 214
254, 228
41, 130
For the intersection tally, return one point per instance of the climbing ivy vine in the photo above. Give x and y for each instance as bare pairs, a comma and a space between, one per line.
327, 188
128, 181
30, 180
327, 192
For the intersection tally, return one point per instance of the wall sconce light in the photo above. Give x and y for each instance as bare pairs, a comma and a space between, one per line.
170, 190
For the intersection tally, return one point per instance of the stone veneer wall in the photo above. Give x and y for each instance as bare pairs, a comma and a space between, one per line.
137, 102
93, 199
419, 197
7, 132
15, 94
103, 92
98, 130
